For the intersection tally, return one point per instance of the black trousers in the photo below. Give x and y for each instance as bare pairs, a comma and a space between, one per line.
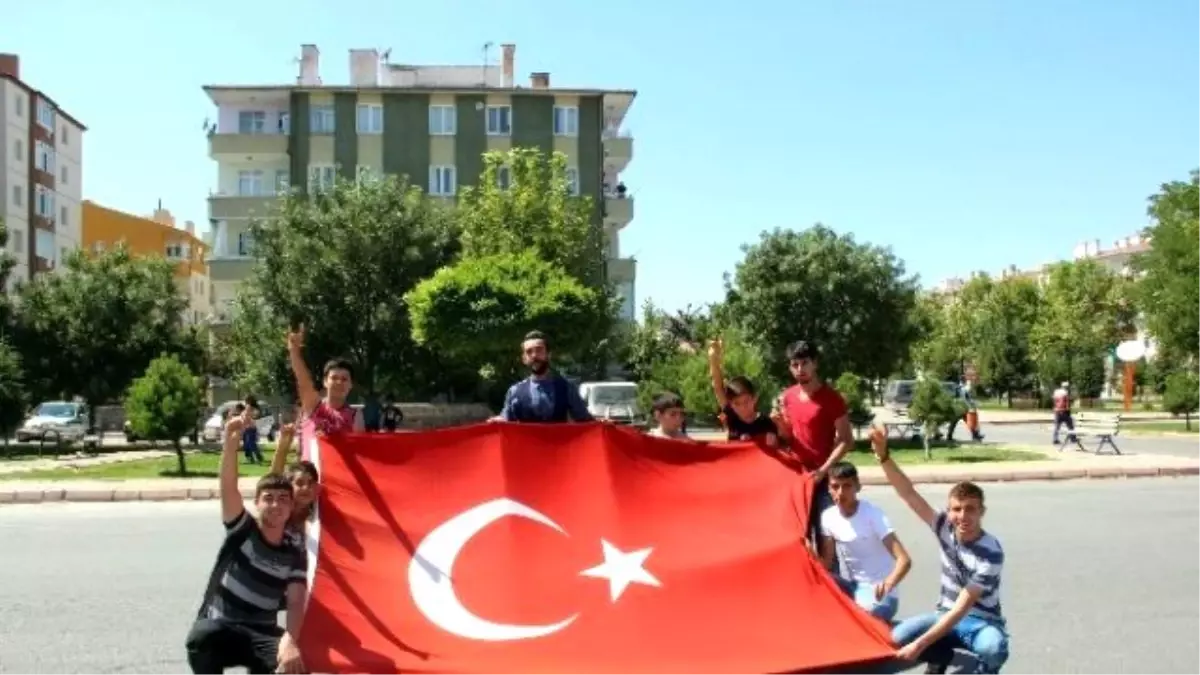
214, 645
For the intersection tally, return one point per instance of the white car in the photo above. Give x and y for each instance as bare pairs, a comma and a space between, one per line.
55, 420
265, 422
616, 401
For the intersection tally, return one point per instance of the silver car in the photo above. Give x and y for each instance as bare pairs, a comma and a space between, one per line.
55, 420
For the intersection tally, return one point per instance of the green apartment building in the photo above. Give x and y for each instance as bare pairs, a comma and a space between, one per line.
431, 123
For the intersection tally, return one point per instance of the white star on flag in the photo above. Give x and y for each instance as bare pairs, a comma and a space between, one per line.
622, 569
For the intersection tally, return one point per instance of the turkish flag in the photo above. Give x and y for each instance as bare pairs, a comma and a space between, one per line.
569, 548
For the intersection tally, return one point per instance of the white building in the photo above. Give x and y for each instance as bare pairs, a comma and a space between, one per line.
41, 185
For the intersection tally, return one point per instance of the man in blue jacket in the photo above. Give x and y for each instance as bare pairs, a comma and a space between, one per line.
545, 397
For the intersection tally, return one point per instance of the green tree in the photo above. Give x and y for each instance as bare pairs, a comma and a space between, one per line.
1001, 326
7, 263
478, 310
164, 404
947, 327
1169, 290
854, 300
853, 389
340, 261
1085, 313
931, 407
1182, 396
90, 329
532, 210
13, 401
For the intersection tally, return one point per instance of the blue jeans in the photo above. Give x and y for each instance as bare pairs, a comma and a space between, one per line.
987, 641
864, 596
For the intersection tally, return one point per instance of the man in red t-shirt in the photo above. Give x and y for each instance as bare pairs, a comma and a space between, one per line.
813, 418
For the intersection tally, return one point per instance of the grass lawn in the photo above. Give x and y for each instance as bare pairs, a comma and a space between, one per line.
204, 464
1178, 426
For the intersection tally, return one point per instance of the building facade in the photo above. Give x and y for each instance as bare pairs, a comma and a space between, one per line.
156, 235
41, 185
430, 123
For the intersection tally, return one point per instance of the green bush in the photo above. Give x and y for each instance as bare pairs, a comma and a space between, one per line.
13, 399
164, 403
1182, 395
931, 407
853, 389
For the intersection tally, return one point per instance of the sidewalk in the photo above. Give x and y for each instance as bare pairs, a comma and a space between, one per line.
1063, 466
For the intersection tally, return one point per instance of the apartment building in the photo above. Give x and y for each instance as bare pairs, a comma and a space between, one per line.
155, 235
431, 123
41, 182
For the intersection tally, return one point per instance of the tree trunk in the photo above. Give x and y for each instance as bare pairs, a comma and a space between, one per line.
925, 441
1187, 421
179, 456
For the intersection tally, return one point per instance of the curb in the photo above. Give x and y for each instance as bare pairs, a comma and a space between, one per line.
1015, 475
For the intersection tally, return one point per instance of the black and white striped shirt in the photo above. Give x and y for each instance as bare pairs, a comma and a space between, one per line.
975, 564
250, 579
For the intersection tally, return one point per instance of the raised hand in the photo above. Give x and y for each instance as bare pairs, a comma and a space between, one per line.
295, 338
879, 443
716, 349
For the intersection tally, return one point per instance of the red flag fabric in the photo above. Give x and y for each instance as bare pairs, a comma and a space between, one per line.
569, 548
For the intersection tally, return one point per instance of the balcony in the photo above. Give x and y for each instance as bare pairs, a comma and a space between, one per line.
618, 210
618, 150
258, 146
229, 268
621, 270
223, 206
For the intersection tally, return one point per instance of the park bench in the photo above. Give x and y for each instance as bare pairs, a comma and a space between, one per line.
901, 427
1104, 428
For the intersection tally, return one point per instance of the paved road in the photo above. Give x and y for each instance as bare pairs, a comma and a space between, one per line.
1040, 434
1102, 576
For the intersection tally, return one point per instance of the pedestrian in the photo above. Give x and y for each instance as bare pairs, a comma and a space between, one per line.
968, 613
256, 573
545, 396
1062, 412
814, 423
392, 416
670, 414
250, 435
322, 415
859, 533
738, 401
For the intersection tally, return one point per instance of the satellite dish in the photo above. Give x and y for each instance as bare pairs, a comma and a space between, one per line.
1131, 350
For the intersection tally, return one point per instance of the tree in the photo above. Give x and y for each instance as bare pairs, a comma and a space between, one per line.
931, 407
1169, 290
13, 401
1182, 396
340, 261
854, 300
853, 390
532, 210
88, 330
164, 403
7, 263
1085, 313
478, 310
1000, 349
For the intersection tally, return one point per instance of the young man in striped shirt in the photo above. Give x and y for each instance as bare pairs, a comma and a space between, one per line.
968, 613
257, 573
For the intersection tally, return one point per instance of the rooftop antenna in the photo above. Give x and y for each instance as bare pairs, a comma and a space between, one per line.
487, 46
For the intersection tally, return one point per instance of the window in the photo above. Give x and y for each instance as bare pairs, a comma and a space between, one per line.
625, 293
19, 151
566, 121
17, 239
321, 177
441, 181
284, 125
250, 183
370, 119
45, 157
245, 244
64, 173
19, 104
283, 181
322, 119
252, 122
45, 114
442, 120
176, 250
62, 212
499, 120
573, 181
17, 195
62, 136
503, 177
43, 244
44, 206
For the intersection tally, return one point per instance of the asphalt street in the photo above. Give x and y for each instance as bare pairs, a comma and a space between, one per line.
1130, 444
1101, 576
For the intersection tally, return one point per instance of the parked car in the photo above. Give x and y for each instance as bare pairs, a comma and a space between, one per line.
899, 393
55, 420
616, 401
266, 422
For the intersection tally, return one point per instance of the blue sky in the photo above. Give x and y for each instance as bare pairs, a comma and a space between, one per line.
963, 135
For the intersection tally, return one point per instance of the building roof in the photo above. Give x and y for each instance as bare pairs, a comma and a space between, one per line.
211, 89
33, 90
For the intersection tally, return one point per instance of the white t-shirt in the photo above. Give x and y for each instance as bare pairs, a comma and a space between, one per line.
859, 540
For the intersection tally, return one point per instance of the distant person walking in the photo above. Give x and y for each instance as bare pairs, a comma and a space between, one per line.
1062, 411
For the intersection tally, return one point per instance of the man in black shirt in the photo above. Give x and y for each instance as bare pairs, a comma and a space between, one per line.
738, 401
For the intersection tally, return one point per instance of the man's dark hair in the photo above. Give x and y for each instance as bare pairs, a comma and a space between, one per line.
273, 481
251, 401
739, 386
305, 467
337, 364
239, 408
967, 490
536, 335
802, 349
667, 401
844, 471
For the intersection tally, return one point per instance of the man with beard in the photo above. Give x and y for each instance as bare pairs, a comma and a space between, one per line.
545, 397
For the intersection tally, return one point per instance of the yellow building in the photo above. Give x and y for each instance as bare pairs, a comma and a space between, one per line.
155, 235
